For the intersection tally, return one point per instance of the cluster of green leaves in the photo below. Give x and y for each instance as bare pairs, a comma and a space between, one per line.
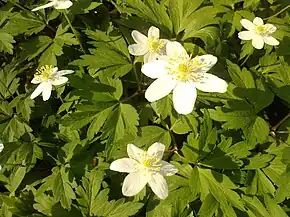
232, 152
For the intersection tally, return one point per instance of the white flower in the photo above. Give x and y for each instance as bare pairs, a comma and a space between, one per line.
1, 149
258, 32
178, 72
47, 76
144, 167
151, 47
57, 4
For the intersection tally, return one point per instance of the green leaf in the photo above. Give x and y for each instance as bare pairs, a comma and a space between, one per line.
198, 20
256, 206
220, 186
122, 121
62, 187
26, 23
260, 185
14, 128
220, 159
208, 207
180, 10
34, 47
152, 134
6, 41
91, 185
48, 57
8, 81
255, 128
273, 208
15, 179
151, 11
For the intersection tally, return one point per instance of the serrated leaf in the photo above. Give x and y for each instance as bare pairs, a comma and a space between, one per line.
208, 207
260, 185
62, 187
6, 41
122, 121
25, 23
220, 186
152, 134
256, 206
15, 179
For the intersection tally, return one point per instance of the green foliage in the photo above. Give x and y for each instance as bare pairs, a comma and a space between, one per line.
232, 152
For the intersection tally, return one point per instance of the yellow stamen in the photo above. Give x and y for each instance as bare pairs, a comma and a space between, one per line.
155, 44
44, 72
185, 69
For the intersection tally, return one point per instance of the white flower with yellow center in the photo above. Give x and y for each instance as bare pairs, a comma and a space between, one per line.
57, 4
47, 76
258, 32
179, 72
151, 47
144, 167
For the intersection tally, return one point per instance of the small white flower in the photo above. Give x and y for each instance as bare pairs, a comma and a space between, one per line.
258, 32
144, 167
1, 149
179, 72
47, 76
151, 47
57, 4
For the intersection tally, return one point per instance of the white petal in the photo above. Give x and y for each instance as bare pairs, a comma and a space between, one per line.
258, 21
153, 32
247, 24
63, 4
123, 165
157, 149
258, 42
151, 56
167, 169
160, 88
155, 69
211, 83
158, 185
47, 87
0, 167
245, 35
174, 49
36, 80
271, 40
134, 152
50, 4
54, 70
59, 80
137, 49
1, 147
37, 91
184, 96
208, 61
65, 72
134, 183
139, 38
270, 28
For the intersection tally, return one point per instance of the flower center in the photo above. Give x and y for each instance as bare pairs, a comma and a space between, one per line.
185, 69
44, 72
149, 164
262, 30
155, 45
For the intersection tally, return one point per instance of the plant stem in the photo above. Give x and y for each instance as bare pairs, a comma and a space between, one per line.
132, 96
279, 12
137, 78
74, 31
280, 122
